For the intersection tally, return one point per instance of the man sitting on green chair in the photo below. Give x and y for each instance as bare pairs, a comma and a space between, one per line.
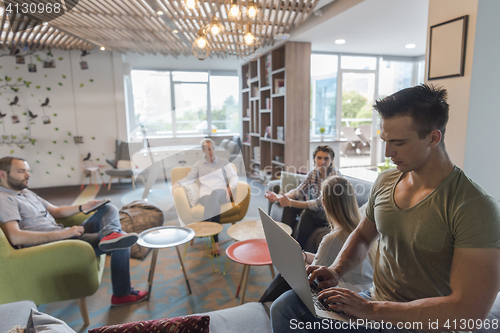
27, 220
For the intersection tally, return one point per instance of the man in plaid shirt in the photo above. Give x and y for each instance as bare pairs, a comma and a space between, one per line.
307, 197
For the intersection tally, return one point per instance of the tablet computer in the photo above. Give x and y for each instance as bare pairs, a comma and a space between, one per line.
96, 207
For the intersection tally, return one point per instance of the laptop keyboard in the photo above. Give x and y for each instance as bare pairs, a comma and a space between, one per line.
315, 291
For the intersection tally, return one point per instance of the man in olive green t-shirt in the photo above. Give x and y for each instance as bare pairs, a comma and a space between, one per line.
438, 260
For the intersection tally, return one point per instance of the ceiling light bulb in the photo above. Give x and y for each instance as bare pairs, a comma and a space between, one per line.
44, 23
234, 11
103, 48
252, 10
191, 4
340, 41
215, 26
249, 38
159, 12
410, 46
201, 42
215, 30
175, 31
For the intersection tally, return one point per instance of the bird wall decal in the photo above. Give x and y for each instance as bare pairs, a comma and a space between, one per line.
87, 158
32, 116
46, 103
14, 102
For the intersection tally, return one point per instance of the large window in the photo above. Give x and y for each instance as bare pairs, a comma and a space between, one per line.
324, 95
395, 75
343, 90
177, 104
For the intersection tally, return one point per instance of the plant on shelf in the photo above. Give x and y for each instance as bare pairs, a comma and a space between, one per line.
322, 131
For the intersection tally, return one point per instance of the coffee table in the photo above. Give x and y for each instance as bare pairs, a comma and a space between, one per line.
250, 252
206, 230
252, 230
163, 237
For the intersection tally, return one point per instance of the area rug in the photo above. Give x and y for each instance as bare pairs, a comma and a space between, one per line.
160, 194
210, 290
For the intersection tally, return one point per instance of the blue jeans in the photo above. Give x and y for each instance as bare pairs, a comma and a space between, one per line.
105, 221
289, 314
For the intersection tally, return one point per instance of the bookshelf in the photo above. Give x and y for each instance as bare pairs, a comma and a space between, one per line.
275, 104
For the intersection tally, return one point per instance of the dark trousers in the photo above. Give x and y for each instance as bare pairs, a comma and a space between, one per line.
291, 215
277, 287
309, 221
212, 203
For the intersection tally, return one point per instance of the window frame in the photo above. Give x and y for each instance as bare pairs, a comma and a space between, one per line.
130, 106
340, 71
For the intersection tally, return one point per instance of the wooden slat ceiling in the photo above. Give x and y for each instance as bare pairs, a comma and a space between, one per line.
135, 26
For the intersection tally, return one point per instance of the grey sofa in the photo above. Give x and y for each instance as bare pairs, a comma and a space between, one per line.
249, 317
246, 318
13, 314
361, 188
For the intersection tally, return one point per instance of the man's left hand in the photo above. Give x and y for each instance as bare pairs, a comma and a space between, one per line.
284, 200
86, 206
348, 301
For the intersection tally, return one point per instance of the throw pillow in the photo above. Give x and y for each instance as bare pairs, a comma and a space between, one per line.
17, 329
289, 181
193, 193
231, 147
194, 324
123, 164
42, 322
224, 143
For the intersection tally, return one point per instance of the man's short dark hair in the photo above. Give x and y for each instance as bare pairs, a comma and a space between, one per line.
325, 149
6, 162
425, 104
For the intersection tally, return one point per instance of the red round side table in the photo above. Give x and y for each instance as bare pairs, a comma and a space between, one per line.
250, 252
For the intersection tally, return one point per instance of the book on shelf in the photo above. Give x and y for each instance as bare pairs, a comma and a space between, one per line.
256, 153
268, 103
278, 83
280, 133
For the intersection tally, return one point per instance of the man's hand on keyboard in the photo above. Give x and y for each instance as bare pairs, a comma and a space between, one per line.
326, 277
347, 301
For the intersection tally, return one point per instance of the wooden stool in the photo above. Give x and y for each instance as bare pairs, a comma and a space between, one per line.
250, 252
206, 230
92, 171
252, 230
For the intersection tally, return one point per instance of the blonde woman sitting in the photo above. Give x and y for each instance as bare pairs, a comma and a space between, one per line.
343, 216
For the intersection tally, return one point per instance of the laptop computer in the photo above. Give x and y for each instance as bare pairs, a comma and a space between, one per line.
287, 256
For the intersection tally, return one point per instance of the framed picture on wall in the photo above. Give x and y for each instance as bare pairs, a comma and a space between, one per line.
447, 44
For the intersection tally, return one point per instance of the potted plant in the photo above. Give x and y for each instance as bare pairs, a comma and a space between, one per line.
322, 131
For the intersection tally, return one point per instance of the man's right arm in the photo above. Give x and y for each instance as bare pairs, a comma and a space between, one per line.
18, 237
353, 252
191, 177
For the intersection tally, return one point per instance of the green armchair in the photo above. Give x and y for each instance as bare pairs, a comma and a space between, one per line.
52, 272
